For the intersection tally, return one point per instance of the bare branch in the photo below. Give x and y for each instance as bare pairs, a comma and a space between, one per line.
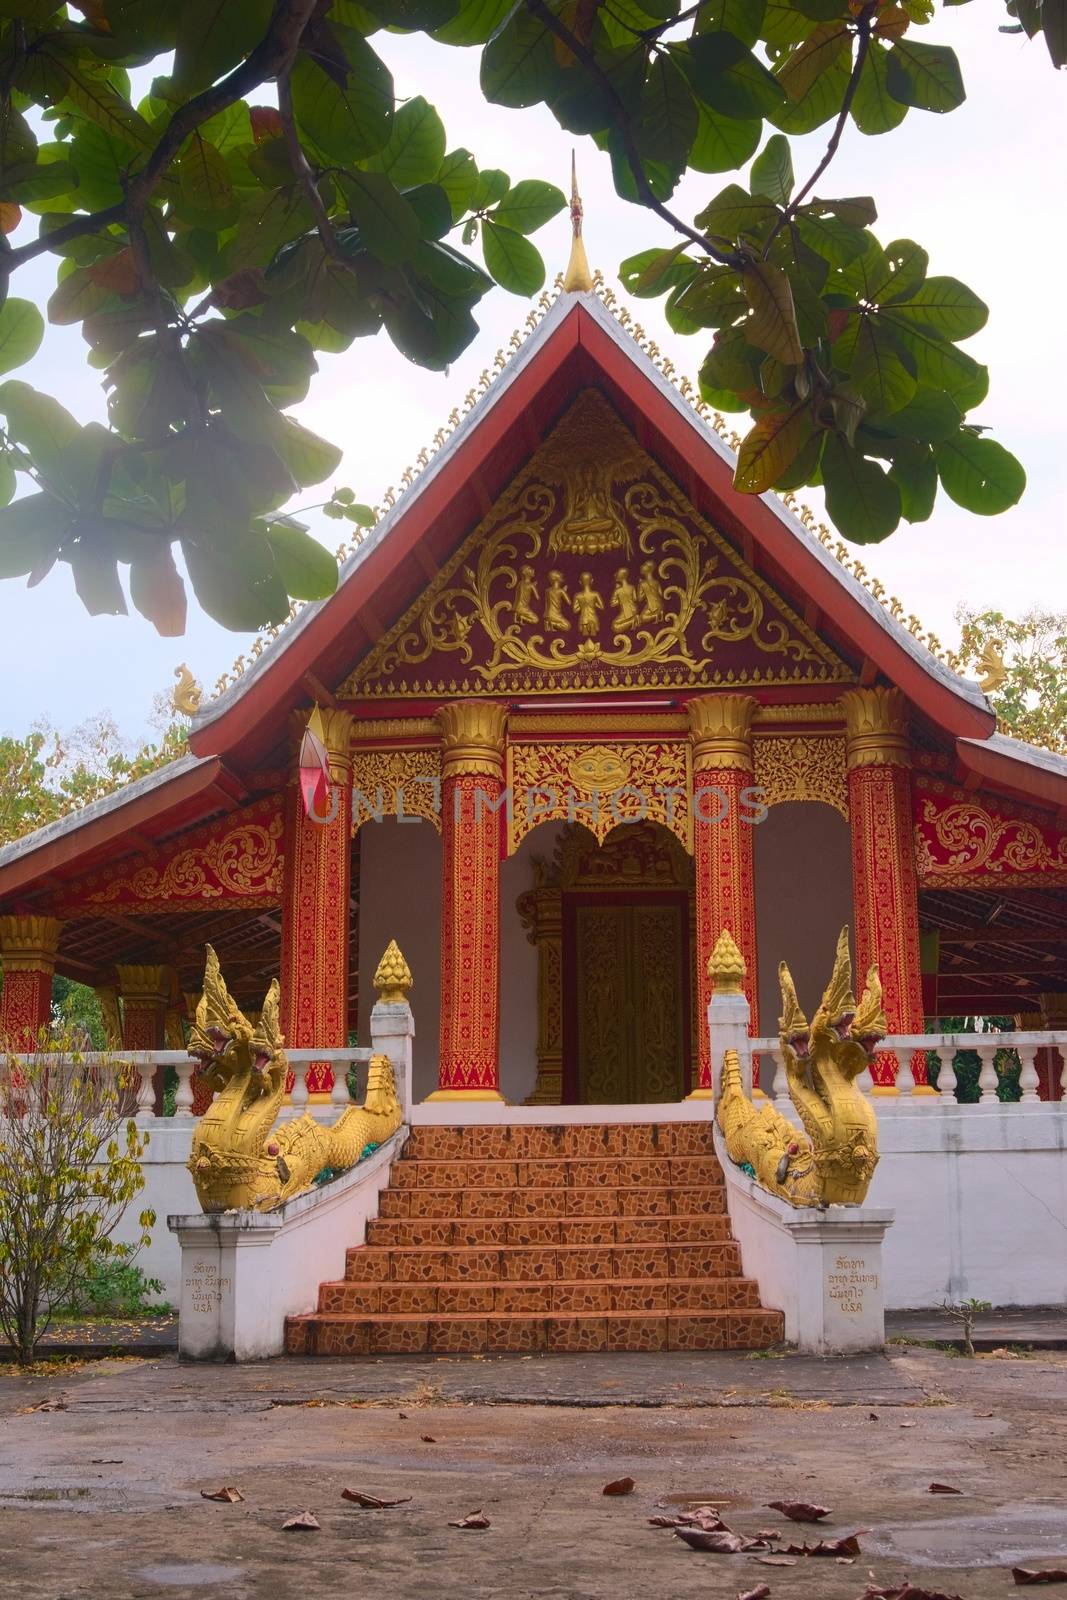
582, 53
302, 168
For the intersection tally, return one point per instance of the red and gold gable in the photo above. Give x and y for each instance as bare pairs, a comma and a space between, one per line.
966, 839
593, 571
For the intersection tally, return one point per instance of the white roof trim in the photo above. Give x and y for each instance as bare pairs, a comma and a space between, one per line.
964, 688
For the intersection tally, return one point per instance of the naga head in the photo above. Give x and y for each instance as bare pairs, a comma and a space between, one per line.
222, 1038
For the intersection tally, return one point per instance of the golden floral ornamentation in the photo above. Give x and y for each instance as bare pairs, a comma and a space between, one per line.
802, 766
394, 783
393, 977
243, 860
726, 966
962, 840
512, 625
565, 782
876, 723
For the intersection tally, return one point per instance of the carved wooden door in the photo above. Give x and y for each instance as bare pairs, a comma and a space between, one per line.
627, 1030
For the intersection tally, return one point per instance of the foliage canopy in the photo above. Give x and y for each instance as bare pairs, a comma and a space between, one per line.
208, 245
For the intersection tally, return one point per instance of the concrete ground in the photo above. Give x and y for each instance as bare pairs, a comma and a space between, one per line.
102, 1467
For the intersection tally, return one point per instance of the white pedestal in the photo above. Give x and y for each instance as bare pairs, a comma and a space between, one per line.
822, 1269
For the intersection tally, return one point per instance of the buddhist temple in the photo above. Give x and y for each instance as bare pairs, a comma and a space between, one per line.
584, 706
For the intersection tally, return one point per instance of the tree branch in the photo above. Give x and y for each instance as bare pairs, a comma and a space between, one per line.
582, 53
271, 56
863, 33
302, 168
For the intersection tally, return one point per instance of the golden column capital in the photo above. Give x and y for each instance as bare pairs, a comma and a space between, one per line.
144, 985
720, 726
726, 966
472, 738
876, 727
337, 737
29, 944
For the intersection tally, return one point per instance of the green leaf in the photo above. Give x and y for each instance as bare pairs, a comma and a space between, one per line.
722, 144
861, 500
742, 18
773, 324
21, 332
430, 204
979, 474
729, 78
943, 306
309, 458
96, 578
414, 15
668, 114
835, 241
8, 481
873, 108
772, 171
416, 146
915, 474
514, 262
770, 447
347, 121
941, 365
734, 212
95, 99
519, 65
48, 431
827, 49
653, 271
205, 187
925, 75
906, 264
157, 590
458, 177
388, 226
491, 185
529, 205
213, 36
306, 568
235, 579
930, 417
31, 530
881, 370
474, 22
820, 101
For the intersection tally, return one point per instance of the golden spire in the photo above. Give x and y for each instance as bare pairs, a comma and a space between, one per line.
726, 966
577, 279
393, 977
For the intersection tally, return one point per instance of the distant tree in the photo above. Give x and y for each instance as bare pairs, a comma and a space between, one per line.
1023, 663
76, 1010
270, 197
45, 774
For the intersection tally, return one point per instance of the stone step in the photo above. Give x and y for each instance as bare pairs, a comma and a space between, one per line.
709, 1228
371, 1299
562, 1172
592, 1140
343, 1335
636, 1200
540, 1263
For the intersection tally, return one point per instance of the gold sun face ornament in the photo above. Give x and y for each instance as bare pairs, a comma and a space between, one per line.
598, 768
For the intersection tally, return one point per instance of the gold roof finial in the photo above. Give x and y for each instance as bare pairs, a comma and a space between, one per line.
186, 695
726, 965
393, 977
577, 279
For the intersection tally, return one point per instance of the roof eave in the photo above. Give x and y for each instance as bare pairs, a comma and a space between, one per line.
1022, 768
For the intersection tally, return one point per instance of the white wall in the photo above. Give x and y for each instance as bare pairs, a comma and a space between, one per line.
400, 898
803, 870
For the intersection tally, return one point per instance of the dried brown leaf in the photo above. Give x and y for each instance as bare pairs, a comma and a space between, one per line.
1025, 1575
719, 1541
799, 1510
905, 1591
777, 1561
760, 1592
227, 1494
304, 1522
474, 1519
371, 1502
943, 1488
427, 1438
848, 1546
619, 1486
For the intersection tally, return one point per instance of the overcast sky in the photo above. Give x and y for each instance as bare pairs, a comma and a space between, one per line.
982, 189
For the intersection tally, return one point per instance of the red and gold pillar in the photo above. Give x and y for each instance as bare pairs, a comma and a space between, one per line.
28, 948
885, 892
472, 789
315, 906
720, 729
145, 995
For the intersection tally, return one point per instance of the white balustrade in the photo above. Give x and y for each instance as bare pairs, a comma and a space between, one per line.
780, 1085
183, 1094
146, 1087
1028, 1076
988, 1082
298, 1094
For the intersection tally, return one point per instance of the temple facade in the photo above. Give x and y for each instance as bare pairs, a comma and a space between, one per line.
585, 706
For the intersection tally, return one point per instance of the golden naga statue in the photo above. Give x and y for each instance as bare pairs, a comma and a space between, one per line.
239, 1159
833, 1161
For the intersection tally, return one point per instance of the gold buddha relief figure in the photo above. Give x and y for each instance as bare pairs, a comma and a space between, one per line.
587, 603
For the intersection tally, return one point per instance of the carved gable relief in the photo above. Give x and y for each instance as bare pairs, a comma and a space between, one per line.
591, 572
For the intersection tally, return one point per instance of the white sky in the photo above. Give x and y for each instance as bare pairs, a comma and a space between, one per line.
982, 190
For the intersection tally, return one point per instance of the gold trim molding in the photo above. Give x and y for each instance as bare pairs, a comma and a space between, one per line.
802, 766
379, 777
601, 786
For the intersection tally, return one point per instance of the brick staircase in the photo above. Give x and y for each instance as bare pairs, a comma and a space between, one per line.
611, 1237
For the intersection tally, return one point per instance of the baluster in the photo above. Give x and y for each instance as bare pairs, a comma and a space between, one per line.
946, 1077
1062, 1048
864, 1080
146, 1089
298, 1097
780, 1085
183, 1094
339, 1095
1028, 1077
987, 1078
